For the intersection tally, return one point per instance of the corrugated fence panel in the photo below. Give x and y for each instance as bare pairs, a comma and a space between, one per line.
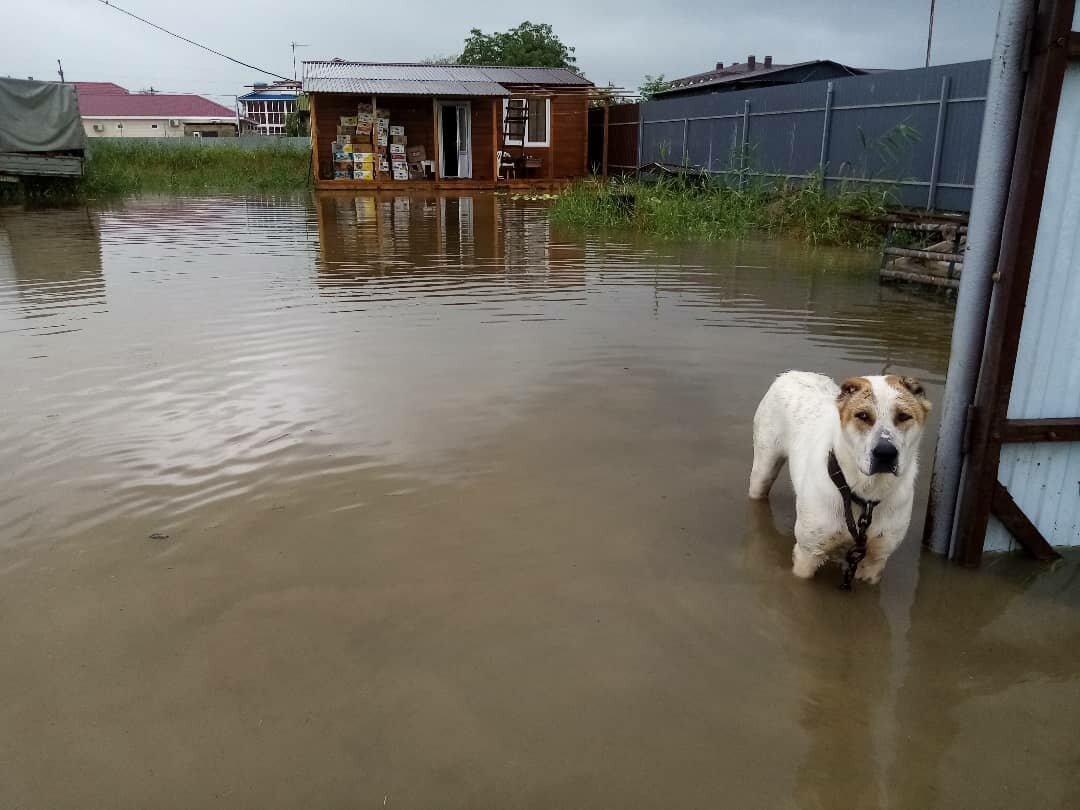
789, 143
882, 127
1044, 479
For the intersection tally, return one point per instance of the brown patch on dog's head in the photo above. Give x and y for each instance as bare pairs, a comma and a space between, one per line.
912, 406
856, 403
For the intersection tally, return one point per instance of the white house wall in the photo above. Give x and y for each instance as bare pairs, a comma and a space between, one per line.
1044, 478
133, 128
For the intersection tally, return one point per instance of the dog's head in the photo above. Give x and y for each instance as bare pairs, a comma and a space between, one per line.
881, 419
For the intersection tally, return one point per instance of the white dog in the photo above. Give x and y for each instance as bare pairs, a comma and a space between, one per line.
872, 425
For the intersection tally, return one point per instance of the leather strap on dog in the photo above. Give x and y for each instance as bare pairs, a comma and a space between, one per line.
857, 528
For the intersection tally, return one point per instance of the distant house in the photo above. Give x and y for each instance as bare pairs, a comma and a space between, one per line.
751, 75
110, 111
447, 126
267, 105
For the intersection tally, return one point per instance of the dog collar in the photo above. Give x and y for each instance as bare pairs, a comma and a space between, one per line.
857, 528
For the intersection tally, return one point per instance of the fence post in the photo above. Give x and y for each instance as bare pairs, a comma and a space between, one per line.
939, 137
640, 138
826, 128
744, 158
685, 145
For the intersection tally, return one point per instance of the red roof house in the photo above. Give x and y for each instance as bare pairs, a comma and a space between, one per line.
109, 110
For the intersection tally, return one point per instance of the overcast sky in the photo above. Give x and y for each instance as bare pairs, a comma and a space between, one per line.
615, 41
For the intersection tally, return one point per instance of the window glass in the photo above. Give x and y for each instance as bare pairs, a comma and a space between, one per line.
538, 120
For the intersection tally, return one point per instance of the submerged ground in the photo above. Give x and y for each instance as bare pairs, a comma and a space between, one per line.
419, 503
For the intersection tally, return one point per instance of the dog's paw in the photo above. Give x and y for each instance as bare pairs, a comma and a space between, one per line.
869, 574
804, 563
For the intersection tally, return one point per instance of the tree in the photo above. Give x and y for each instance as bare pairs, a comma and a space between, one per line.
651, 85
296, 124
440, 59
528, 45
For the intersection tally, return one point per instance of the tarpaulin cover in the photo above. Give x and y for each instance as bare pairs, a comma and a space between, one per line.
39, 117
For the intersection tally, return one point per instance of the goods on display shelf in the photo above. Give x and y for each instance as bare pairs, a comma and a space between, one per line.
397, 130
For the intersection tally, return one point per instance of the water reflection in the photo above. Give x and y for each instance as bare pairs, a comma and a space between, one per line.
51, 260
417, 457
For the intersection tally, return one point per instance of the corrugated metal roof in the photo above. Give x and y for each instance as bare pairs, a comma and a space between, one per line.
404, 87
1043, 477
420, 79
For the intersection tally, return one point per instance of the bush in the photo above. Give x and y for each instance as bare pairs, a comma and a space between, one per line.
697, 207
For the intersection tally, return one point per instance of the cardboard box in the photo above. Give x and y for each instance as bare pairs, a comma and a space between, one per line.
400, 139
365, 118
363, 174
397, 129
360, 140
381, 140
347, 148
348, 120
342, 174
397, 149
364, 108
364, 158
340, 156
415, 153
382, 113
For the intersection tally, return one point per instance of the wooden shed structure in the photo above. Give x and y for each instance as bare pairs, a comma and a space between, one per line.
476, 127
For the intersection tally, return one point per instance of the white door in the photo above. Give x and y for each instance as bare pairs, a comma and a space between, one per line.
455, 139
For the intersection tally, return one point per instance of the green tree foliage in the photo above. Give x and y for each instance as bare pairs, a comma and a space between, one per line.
651, 85
528, 45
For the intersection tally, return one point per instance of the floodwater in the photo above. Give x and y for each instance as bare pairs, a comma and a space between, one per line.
421, 503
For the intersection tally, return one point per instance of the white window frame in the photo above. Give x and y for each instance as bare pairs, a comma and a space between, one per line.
524, 140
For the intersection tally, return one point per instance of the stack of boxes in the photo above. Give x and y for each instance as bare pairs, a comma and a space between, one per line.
398, 163
355, 149
368, 146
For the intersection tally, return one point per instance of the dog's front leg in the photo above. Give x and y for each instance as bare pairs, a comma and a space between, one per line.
878, 550
809, 552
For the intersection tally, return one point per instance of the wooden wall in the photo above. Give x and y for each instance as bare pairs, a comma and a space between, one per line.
566, 158
569, 129
483, 138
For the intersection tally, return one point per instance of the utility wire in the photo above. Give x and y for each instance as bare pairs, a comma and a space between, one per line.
191, 41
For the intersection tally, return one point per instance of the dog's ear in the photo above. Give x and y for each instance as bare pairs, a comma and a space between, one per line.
917, 391
850, 386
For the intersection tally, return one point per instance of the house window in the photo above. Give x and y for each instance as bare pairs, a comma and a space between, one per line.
534, 128
153, 126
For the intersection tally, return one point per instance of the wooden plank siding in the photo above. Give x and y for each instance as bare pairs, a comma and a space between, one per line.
564, 160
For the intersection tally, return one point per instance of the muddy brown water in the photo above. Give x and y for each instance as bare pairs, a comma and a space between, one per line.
422, 503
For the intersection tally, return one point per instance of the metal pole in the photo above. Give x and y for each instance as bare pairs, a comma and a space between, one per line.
640, 138
685, 146
930, 34
825, 129
744, 157
939, 137
992, 175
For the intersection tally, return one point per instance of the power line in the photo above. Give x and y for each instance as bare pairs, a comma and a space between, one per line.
190, 41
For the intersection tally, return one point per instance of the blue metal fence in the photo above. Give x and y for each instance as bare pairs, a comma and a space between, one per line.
917, 130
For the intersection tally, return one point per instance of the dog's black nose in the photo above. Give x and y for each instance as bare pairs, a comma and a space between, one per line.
885, 456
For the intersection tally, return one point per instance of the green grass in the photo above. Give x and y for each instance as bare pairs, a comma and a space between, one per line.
120, 170
703, 209
115, 169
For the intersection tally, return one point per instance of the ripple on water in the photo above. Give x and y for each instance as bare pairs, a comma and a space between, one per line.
169, 355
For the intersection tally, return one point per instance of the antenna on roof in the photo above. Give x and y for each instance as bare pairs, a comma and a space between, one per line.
294, 46
60, 71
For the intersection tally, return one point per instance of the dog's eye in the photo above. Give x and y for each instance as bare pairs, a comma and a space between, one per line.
903, 417
862, 416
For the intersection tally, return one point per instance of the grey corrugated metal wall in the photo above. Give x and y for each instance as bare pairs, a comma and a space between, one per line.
837, 127
1044, 478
